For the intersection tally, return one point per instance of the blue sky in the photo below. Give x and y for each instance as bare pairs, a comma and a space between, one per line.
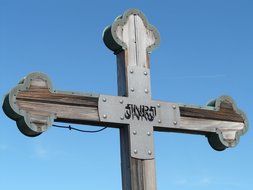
206, 51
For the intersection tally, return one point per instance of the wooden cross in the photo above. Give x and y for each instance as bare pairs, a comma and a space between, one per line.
35, 105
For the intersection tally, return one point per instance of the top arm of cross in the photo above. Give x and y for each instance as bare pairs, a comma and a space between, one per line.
35, 105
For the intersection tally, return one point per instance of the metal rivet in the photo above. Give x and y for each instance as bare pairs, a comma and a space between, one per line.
174, 122
105, 116
148, 133
174, 107
145, 72
134, 132
146, 90
131, 71
121, 117
121, 101
132, 89
159, 121
149, 152
104, 99
158, 105
135, 151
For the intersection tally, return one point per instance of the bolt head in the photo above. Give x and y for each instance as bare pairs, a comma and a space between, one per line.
134, 132
131, 71
146, 91
135, 151
159, 121
148, 133
104, 99
149, 152
145, 73
174, 122
174, 107
121, 117
132, 89
104, 116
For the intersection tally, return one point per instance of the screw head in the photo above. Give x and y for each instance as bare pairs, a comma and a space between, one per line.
149, 152
134, 132
145, 73
174, 107
174, 122
104, 99
104, 116
132, 89
135, 151
148, 133
121, 101
146, 90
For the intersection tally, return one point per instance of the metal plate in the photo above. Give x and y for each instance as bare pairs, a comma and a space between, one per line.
138, 83
115, 109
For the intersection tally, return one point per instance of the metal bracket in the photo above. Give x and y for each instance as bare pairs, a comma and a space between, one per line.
141, 115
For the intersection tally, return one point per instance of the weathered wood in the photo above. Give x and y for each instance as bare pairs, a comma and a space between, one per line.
34, 105
222, 114
66, 107
137, 174
193, 125
83, 108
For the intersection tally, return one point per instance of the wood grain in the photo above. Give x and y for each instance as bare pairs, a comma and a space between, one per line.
84, 109
66, 107
39, 103
193, 125
224, 114
137, 174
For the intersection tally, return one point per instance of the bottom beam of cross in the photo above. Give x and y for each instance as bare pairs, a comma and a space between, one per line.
35, 105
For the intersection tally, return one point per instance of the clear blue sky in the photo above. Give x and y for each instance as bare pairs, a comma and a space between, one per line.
206, 51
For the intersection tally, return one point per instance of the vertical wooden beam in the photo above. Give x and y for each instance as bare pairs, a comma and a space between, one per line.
137, 174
